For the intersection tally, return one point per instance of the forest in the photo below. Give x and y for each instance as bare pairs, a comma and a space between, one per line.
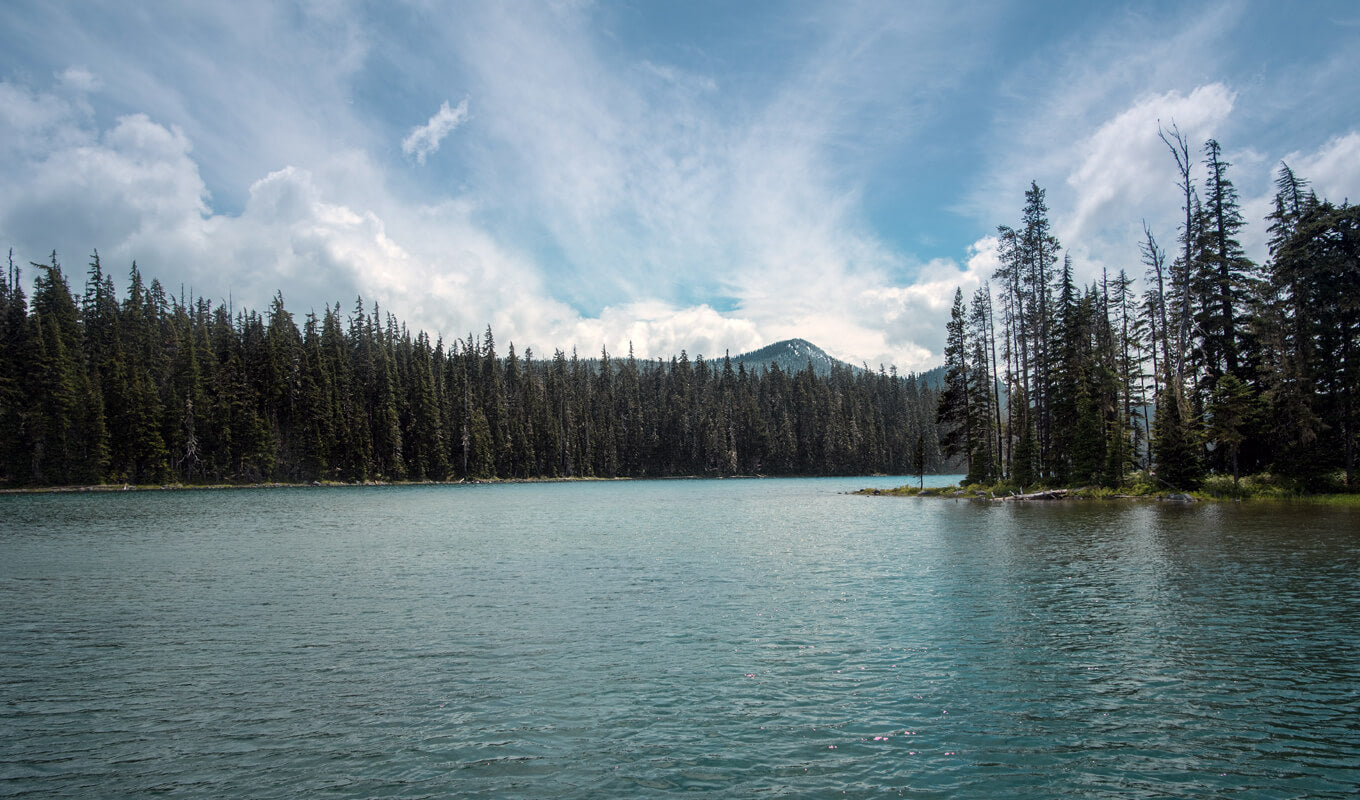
151, 389
1221, 366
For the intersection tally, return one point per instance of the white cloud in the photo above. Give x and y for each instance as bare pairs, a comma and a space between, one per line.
605, 195
135, 192
1124, 163
916, 313
658, 192
36, 123
425, 139
1080, 118
657, 329
135, 184
322, 236
79, 79
255, 85
661, 189
1125, 175
1333, 170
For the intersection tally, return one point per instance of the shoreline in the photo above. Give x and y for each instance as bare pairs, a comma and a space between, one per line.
1065, 494
955, 493
103, 488
1096, 494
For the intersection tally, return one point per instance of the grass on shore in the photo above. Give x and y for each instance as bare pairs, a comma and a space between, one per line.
1262, 487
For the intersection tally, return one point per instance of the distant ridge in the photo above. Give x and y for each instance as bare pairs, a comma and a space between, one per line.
792, 355
933, 378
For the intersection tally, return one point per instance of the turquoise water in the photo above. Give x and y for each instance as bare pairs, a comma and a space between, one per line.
640, 639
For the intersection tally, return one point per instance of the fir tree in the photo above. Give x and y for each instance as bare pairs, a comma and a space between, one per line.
954, 415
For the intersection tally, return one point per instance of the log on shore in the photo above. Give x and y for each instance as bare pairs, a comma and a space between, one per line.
1046, 494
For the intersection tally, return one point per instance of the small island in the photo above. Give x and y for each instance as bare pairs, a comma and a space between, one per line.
1220, 368
1215, 488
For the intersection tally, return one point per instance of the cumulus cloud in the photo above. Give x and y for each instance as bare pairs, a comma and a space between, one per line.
916, 313
654, 328
1118, 161
134, 184
606, 196
425, 139
1080, 117
1334, 169
656, 201
135, 193
1124, 175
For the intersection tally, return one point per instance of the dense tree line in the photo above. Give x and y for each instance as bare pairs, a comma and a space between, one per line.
1221, 365
150, 388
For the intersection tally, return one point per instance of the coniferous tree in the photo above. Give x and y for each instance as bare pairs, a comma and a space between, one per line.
53, 368
982, 467
1088, 443
15, 349
183, 391
1317, 265
1069, 395
1040, 257
1132, 359
145, 457
954, 415
1176, 449
1228, 270
1178, 295
314, 404
1231, 410
201, 392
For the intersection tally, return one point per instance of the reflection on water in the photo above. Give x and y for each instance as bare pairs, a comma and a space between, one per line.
649, 638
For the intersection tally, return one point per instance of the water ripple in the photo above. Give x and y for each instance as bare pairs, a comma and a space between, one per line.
654, 639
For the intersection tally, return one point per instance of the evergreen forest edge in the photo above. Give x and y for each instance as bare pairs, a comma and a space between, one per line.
1221, 366
150, 388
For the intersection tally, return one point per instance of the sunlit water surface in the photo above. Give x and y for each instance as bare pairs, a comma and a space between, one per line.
636, 639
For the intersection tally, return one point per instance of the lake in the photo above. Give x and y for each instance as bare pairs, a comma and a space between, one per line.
656, 638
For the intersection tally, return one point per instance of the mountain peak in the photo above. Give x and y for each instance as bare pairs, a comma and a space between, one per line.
792, 355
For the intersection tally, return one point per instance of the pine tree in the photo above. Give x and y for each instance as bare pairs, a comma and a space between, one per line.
982, 467
141, 444
1176, 448
185, 398
211, 393
1040, 250
1318, 265
953, 414
1069, 396
1178, 295
67, 433
16, 347
1229, 270
1231, 410
314, 418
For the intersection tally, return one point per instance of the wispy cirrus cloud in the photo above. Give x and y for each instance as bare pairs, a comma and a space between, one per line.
662, 185
424, 140
638, 175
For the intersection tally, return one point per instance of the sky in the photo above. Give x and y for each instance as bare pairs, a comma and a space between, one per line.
705, 176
